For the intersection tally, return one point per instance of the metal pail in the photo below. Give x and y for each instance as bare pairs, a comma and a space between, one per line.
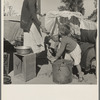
62, 71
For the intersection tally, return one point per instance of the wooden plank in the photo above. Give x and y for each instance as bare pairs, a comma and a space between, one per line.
17, 64
25, 64
30, 64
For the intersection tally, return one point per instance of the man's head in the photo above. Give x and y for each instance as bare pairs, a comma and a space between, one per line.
64, 29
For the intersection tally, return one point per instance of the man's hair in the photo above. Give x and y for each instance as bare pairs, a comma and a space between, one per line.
65, 28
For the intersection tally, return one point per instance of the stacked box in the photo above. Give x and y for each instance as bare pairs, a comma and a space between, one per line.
25, 64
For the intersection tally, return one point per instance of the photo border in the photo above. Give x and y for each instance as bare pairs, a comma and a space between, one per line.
51, 95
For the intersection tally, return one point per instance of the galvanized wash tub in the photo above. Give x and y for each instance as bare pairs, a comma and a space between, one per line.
62, 71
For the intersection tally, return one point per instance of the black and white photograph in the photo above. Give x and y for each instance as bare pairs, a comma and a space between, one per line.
50, 42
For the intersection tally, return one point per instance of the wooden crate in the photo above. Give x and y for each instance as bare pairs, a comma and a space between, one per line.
25, 64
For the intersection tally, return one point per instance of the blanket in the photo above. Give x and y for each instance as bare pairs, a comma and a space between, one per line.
88, 53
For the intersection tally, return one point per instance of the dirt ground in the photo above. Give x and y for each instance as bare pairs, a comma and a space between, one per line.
44, 76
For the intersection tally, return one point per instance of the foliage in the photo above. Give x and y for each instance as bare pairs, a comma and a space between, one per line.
72, 5
93, 16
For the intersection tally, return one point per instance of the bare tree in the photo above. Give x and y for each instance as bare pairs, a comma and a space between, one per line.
8, 9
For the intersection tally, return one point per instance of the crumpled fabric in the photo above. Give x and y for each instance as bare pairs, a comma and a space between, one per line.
76, 29
88, 25
84, 23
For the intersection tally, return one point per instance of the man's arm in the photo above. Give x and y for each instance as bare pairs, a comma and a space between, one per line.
60, 51
62, 48
32, 7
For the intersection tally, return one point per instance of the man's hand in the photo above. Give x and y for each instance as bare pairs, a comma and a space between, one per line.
44, 30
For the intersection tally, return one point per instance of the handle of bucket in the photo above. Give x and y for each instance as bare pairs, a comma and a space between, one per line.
61, 61
61, 64
68, 69
68, 66
59, 69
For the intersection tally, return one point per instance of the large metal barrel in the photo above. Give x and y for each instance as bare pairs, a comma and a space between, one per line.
62, 71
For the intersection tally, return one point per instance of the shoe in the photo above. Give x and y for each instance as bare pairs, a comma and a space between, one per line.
7, 79
80, 79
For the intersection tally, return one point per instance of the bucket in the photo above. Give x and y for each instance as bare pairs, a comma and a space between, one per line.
62, 71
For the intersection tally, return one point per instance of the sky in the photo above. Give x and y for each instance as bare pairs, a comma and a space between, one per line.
48, 5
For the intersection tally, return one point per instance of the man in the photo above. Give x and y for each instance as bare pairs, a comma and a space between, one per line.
29, 16
31, 26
